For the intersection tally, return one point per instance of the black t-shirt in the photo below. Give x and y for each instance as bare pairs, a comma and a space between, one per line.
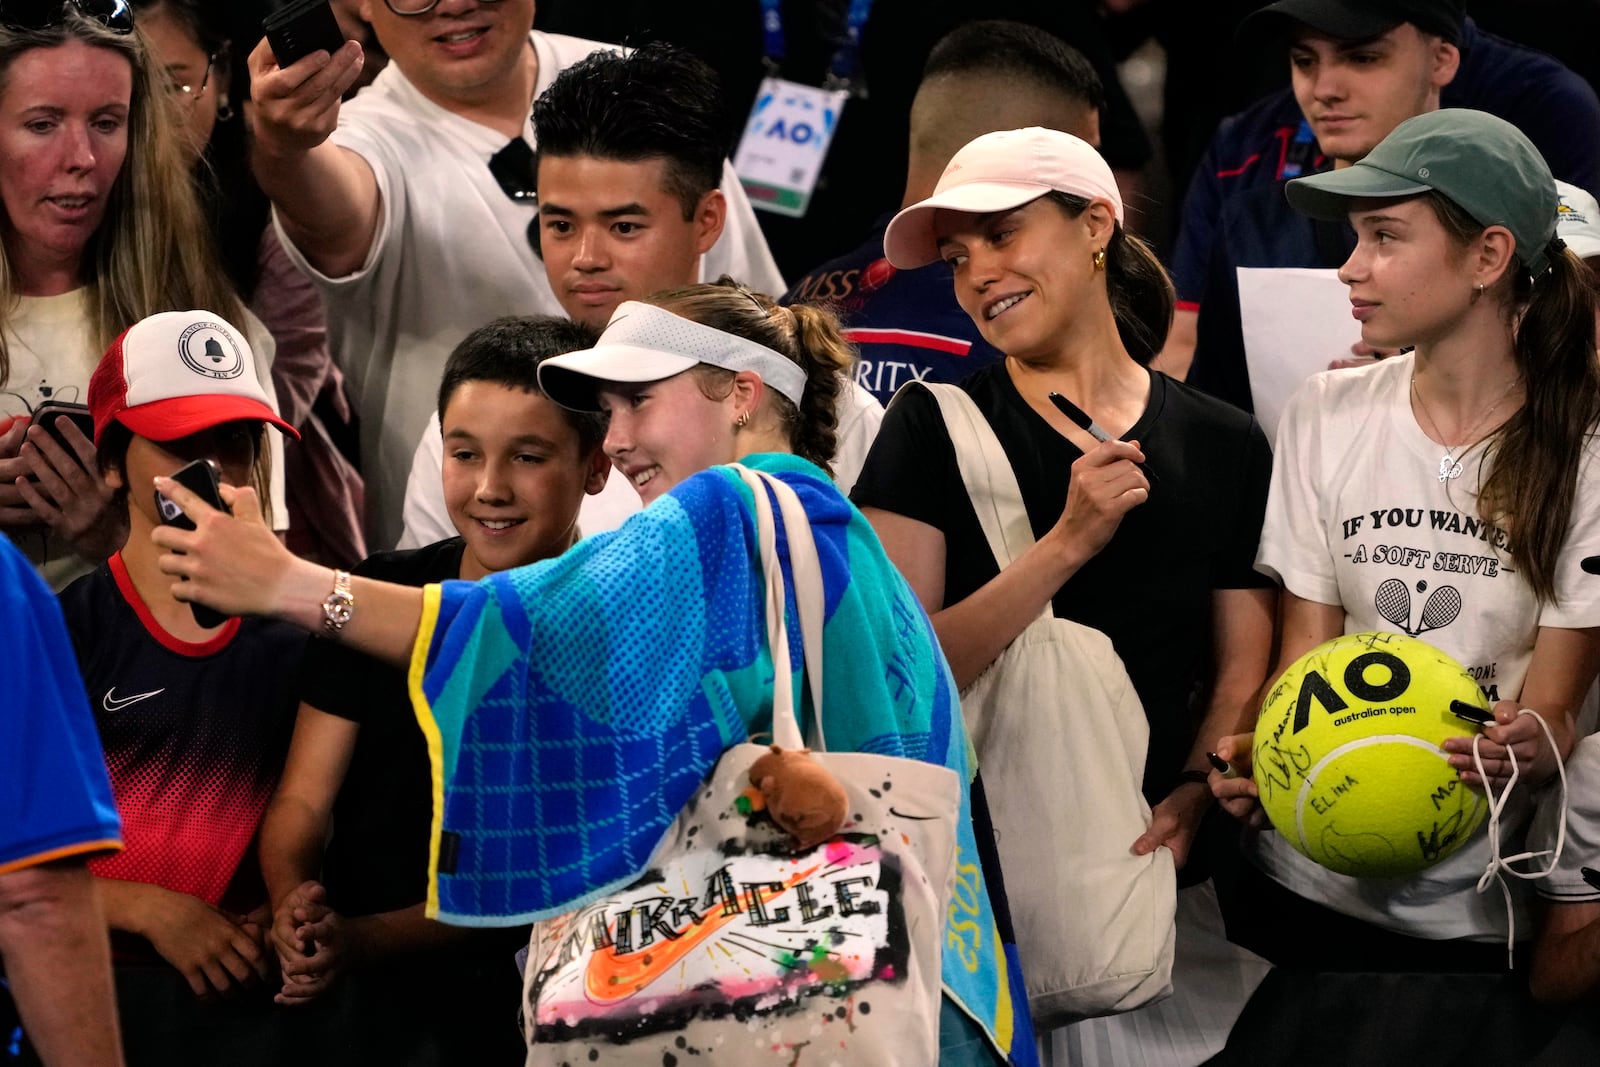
377, 858
1149, 590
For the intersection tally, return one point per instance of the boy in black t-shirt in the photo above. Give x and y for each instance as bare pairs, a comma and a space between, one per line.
516, 467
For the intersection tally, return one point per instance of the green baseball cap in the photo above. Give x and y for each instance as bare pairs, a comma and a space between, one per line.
1482, 163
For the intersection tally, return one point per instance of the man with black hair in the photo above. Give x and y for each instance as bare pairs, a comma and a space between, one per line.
411, 205
630, 154
984, 76
630, 150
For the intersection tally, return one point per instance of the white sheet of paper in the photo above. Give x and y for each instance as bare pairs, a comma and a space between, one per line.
1296, 321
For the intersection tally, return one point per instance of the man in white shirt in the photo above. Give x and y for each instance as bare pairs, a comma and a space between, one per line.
389, 204
630, 153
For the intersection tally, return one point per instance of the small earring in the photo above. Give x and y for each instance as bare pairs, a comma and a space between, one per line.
225, 110
742, 420
1100, 260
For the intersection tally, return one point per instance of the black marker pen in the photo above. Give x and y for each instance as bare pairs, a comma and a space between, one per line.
1472, 713
1591, 876
1079, 416
1092, 428
1222, 765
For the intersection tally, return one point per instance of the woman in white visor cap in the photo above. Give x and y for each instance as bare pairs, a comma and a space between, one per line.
644, 649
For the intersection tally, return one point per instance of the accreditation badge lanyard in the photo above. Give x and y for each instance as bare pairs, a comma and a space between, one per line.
791, 126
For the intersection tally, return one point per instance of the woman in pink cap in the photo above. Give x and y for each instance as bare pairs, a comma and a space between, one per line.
1145, 503
194, 713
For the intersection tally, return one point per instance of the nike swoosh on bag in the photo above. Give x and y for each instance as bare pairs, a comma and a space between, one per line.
111, 703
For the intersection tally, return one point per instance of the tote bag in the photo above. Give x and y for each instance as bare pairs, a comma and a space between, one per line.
731, 948
1061, 740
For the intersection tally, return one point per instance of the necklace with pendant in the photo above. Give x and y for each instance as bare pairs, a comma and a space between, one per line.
1449, 466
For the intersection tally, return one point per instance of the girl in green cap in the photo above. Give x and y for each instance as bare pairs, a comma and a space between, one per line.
1449, 493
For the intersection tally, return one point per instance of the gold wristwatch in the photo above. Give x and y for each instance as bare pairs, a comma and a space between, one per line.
340, 605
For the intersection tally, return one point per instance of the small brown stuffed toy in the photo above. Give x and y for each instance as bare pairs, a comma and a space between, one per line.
801, 795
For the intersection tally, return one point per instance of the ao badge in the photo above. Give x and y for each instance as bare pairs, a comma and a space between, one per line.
791, 125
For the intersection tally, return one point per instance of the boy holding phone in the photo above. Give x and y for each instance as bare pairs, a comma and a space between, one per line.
516, 468
194, 719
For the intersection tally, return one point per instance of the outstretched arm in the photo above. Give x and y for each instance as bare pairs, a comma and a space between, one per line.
235, 564
1241, 624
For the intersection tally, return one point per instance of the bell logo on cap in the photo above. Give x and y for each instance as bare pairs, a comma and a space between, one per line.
207, 348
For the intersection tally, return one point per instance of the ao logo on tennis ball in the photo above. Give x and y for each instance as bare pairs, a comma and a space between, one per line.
1347, 756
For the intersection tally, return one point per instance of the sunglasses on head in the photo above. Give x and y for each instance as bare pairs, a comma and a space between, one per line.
114, 15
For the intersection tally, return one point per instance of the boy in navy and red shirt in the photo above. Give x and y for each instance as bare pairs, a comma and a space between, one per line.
194, 717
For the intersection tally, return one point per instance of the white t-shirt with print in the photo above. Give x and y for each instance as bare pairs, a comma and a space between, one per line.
451, 253
1358, 516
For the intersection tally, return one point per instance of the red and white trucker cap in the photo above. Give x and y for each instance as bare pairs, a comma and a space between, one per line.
178, 373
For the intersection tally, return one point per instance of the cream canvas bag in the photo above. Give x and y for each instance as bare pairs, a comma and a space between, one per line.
1061, 740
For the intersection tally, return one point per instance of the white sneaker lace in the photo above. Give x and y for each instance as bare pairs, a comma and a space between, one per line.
1499, 866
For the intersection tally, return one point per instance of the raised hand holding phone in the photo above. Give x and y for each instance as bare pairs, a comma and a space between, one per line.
234, 563
297, 102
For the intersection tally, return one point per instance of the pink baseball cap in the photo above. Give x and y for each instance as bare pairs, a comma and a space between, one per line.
175, 374
997, 172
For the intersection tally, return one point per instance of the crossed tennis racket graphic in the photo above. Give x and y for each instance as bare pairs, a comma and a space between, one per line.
1393, 601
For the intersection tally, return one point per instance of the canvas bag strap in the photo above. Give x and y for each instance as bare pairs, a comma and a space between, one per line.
987, 474
989, 479
807, 571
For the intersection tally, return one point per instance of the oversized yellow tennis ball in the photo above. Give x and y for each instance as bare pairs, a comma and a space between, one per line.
1347, 756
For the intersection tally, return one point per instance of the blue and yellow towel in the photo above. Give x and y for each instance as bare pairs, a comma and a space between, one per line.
573, 706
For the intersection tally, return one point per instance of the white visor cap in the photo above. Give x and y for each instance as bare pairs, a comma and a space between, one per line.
645, 343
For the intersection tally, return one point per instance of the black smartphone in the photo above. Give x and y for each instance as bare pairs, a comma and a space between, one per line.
200, 478
47, 413
301, 27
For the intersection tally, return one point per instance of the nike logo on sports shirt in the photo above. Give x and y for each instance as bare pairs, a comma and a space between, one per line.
111, 703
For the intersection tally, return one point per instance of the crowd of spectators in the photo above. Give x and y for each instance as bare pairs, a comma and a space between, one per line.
349, 281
